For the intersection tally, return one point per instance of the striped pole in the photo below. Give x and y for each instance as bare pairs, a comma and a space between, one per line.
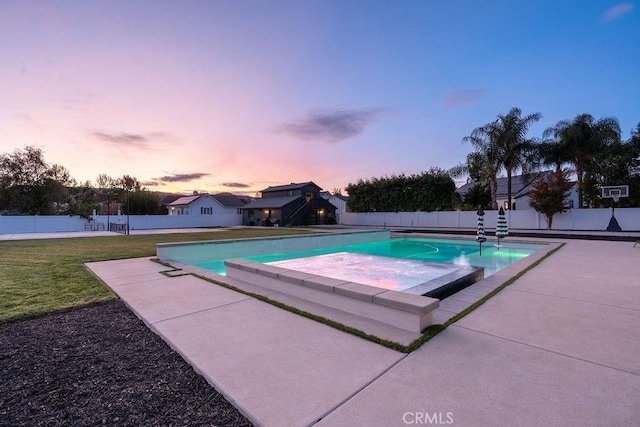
502, 230
480, 237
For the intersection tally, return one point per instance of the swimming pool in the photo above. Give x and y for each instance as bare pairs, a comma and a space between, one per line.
449, 251
398, 281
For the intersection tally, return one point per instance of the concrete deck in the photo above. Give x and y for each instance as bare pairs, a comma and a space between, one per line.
559, 346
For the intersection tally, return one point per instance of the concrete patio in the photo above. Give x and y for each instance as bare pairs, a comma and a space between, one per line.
559, 346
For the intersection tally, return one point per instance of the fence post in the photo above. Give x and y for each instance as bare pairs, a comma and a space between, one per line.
571, 218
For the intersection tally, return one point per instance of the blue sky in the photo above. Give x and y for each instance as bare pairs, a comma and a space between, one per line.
239, 95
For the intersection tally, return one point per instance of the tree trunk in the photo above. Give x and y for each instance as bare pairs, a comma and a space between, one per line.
509, 189
579, 184
549, 221
494, 194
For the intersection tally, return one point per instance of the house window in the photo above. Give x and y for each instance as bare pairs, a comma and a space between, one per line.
206, 211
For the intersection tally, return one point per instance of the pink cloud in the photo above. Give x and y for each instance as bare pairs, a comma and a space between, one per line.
617, 11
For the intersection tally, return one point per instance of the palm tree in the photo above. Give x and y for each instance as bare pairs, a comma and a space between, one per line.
552, 152
505, 140
581, 140
515, 150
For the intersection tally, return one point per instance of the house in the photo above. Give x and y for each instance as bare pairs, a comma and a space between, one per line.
521, 185
289, 205
207, 204
337, 200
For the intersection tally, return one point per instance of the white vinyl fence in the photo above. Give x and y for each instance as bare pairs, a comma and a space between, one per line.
573, 219
52, 224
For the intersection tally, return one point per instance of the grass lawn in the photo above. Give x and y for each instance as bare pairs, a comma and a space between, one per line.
43, 276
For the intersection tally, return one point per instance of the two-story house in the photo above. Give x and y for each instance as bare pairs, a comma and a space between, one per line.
289, 205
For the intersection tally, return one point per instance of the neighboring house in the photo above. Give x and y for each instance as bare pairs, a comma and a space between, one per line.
520, 188
289, 205
337, 200
207, 204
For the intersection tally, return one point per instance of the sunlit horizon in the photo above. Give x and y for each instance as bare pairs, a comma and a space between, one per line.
238, 96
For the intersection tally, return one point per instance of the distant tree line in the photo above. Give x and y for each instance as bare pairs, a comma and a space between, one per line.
589, 149
433, 190
31, 186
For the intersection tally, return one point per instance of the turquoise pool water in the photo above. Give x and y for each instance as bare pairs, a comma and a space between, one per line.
460, 252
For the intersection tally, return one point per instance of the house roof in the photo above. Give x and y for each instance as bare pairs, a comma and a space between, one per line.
328, 195
271, 202
520, 185
292, 186
225, 199
169, 198
186, 200
230, 200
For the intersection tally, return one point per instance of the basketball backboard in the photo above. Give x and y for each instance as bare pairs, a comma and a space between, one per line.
615, 192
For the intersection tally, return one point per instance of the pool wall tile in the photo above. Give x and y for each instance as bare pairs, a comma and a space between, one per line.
295, 277
326, 284
406, 302
358, 291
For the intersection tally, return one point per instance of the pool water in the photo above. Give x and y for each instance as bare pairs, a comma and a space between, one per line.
379, 271
459, 252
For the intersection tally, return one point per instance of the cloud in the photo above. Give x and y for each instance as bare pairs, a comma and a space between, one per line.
235, 185
331, 125
616, 12
141, 141
181, 177
123, 138
462, 98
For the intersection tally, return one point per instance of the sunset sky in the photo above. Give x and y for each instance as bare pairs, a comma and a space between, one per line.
240, 95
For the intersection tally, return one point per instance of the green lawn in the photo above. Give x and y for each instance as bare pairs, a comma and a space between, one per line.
42, 276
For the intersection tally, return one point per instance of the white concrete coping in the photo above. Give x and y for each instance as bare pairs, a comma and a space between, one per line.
402, 310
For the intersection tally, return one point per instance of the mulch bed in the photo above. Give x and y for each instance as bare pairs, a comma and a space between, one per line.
101, 365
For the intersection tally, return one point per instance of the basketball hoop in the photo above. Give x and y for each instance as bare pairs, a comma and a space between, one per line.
614, 192
615, 195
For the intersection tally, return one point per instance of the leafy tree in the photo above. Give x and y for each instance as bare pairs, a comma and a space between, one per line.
477, 195
580, 142
82, 200
549, 194
129, 183
28, 185
428, 191
617, 164
109, 189
135, 200
484, 163
481, 166
142, 202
